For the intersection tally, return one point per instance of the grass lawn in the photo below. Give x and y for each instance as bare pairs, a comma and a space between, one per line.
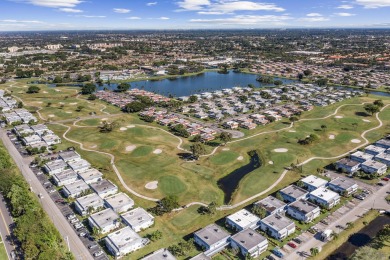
3, 253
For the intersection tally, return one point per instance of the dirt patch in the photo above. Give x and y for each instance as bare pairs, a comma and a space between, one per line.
356, 141
292, 131
240, 158
331, 137
281, 150
130, 148
151, 185
366, 120
104, 119
51, 115
225, 149
93, 146
157, 151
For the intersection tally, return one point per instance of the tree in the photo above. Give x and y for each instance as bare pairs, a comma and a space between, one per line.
49, 104
308, 72
169, 203
123, 87
156, 235
379, 103
323, 127
88, 89
108, 127
79, 108
225, 137
279, 196
293, 119
197, 149
133, 107
92, 97
371, 108
367, 253
322, 82
349, 225
259, 211
314, 251
19, 104
197, 138
193, 99
278, 82
33, 89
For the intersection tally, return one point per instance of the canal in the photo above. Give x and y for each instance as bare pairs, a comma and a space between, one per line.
362, 238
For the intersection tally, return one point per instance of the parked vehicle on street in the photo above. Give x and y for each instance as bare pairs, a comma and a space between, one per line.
291, 244
277, 252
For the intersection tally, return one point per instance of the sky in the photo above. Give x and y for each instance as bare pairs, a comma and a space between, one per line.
32, 15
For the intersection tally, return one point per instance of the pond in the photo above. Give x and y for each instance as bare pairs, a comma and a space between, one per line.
362, 238
230, 182
189, 85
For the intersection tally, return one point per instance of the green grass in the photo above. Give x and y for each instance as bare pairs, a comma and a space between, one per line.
142, 151
3, 253
224, 157
171, 185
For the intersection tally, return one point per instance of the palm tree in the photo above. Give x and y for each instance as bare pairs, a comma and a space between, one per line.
314, 251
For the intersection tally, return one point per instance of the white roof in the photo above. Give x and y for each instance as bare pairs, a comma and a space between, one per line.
243, 218
91, 200
314, 181
124, 238
104, 218
137, 216
119, 200
324, 194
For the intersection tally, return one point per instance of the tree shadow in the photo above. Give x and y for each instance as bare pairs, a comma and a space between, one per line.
364, 114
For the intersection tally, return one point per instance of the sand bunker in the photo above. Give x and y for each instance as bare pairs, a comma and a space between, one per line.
123, 128
39, 102
280, 150
151, 185
356, 141
130, 126
225, 149
73, 104
366, 120
130, 148
93, 146
331, 137
338, 117
104, 119
51, 115
44, 92
57, 90
68, 112
240, 158
271, 162
157, 151
292, 131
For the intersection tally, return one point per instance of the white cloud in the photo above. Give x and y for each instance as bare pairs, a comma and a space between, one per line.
246, 20
314, 19
52, 3
92, 16
164, 18
20, 21
314, 15
121, 10
226, 6
344, 14
151, 3
210, 13
373, 3
347, 7
70, 10
133, 18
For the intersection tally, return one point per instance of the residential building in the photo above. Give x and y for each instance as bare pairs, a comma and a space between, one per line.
383, 158
212, 238
293, 193
91, 176
89, 204
342, 185
75, 189
31, 139
55, 166
324, 197
272, 205
277, 226
374, 150
303, 210
69, 156
124, 241
104, 188
384, 143
249, 242
79, 165
374, 167
65, 177
361, 157
162, 254
313, 182
105, 221
138, 219
347, 165
119, 202
242, 219
51, 139
40, 129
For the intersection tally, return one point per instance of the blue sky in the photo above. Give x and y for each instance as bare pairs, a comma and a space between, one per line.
190, 14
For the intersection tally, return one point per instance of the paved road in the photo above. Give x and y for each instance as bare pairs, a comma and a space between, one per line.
5, 224
374, 201
60, 222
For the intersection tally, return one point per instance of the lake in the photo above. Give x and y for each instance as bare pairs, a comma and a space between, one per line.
208, 81
362, 238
